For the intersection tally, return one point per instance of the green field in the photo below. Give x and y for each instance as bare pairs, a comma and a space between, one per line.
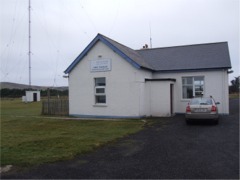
27, 138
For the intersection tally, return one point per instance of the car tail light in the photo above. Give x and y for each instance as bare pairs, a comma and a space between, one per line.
188, 109
214, 109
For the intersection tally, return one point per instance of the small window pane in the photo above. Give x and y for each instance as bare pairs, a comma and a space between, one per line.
100, 99
187, 92
198, 78
198, 81
198, 88
100, 90
187, 81
198, 94
100, 82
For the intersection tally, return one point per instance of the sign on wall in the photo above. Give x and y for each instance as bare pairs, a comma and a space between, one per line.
100, 65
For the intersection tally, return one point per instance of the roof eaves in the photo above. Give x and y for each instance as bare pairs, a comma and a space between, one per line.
106, 42
79, 58
148, 69
192, 70
119, 52
178, 46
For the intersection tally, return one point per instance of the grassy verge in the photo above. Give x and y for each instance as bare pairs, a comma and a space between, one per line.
26, 140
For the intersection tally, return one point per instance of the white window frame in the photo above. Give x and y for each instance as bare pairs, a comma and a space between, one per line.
97, 94
193, 85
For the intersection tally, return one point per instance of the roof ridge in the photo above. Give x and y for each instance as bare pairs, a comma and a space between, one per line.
115, 41
139, 59
181, 46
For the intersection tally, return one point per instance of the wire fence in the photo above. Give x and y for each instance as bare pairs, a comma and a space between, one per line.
58, 107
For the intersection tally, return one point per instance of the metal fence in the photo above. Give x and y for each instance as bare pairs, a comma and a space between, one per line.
55, 107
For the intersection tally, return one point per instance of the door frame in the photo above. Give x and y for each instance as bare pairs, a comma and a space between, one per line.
171, 99
35, 97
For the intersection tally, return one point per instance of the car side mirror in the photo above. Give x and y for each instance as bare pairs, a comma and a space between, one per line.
217, 103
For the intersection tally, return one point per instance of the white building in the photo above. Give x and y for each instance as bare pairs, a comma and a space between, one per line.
31, 96
110, 80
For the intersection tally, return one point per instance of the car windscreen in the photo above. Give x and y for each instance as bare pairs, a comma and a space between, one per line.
201, 101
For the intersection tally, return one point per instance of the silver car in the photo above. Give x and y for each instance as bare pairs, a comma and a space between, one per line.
202, 109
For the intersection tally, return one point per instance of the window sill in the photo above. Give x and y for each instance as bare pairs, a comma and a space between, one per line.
100, 105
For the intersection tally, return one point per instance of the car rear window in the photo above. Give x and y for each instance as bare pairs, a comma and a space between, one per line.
201, 101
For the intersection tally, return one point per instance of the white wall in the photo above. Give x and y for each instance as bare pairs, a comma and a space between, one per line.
124, 86
29, 96
127, 93
216, 85
158, 98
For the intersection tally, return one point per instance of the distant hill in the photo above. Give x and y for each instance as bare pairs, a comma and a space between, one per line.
10, 85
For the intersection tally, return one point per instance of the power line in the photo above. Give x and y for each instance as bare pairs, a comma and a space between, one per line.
115, 18
13, 47
93, 24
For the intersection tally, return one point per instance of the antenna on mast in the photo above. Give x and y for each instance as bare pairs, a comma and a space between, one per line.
29, 41
150, 34
31, 96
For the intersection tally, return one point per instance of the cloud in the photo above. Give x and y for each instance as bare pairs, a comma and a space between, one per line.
61, 29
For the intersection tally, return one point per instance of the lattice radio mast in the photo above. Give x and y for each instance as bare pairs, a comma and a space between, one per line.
150, 35
29, 41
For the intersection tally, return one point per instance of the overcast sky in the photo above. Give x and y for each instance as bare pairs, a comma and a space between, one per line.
61, 29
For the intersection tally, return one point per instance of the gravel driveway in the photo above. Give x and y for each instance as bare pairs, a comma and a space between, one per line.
167, 149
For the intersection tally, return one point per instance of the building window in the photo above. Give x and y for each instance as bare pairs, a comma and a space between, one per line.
100, 90
192, 86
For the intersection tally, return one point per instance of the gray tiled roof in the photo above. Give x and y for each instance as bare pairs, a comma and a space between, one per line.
133, 54
191, 57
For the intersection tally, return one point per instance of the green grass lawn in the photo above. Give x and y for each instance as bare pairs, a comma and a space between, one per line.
27, 138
